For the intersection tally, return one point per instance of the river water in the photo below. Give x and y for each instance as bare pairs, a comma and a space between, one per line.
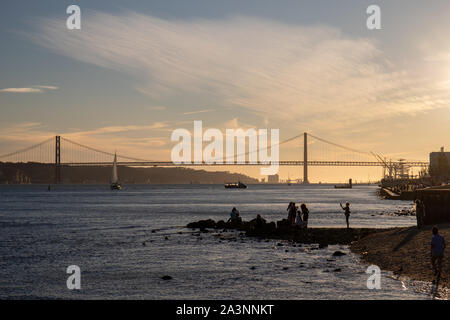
124, 242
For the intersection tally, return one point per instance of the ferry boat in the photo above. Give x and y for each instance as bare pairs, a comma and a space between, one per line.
238, 185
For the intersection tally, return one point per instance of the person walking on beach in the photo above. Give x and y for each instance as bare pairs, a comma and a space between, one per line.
437, 252
347, 212
305, 214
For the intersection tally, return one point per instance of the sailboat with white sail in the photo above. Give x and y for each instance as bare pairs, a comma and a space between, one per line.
115, 185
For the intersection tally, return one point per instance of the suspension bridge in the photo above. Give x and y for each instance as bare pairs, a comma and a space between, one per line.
313, 151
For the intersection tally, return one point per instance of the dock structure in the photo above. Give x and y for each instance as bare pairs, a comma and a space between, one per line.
398, 194
436, 202
389, 194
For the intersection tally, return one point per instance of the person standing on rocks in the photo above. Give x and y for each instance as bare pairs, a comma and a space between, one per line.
292, 212
260, 221
238, 217
437, 251
305, 214
234, 215
347, 213
299, 221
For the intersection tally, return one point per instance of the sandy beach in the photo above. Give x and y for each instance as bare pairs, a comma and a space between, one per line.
405, 251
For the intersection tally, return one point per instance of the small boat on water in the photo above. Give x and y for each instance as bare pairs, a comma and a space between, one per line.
238, 185
115, 185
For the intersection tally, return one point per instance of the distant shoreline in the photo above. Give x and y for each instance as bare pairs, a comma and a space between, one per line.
181, 183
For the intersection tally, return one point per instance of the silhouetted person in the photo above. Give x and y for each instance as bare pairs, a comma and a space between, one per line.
49, 187
299, 221
260, 221
346, 212
292, 212
305, 214
238, 217
289, 209
420, 213
437, 251
234, 215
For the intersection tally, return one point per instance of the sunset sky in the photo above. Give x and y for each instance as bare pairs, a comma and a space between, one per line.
137, 70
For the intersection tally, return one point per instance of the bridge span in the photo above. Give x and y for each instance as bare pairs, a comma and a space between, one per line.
246, 163
61, 152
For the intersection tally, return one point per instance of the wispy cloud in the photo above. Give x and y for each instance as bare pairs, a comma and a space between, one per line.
21, 90
140, 141
47, 87
157, 108
121, 129
438, 57
33, 89
198, 111
289, 72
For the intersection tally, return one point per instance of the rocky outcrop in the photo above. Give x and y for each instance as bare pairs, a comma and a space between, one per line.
283, 231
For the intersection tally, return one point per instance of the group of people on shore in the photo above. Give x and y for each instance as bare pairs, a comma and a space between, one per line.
298, 217
236, 218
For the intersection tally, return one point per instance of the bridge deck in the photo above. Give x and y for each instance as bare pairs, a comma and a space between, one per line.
247, 163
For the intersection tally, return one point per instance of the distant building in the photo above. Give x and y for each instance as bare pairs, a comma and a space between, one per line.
440, 166
436, 201
273, 178
435, 157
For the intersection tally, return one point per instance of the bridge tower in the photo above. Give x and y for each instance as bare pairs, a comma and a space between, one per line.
305, 158
57, 159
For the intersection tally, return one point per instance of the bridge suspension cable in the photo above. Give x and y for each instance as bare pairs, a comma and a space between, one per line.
100, 151
340, 146
40, 152
265, 148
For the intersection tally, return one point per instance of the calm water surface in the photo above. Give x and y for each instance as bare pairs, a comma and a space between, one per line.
103, 232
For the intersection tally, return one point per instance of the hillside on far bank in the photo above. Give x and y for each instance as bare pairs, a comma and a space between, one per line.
17, 173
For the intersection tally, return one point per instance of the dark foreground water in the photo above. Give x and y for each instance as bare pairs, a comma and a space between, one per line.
103, 232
